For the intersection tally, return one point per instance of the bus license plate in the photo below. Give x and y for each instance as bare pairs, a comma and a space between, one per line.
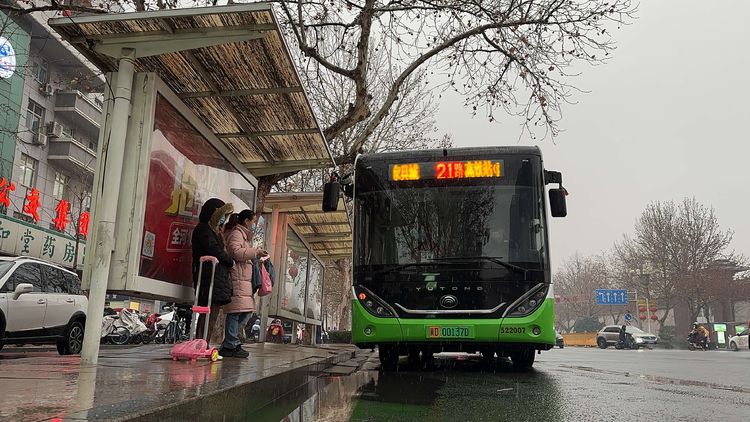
450, 332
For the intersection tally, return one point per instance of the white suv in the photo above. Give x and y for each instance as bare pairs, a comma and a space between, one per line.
41, 302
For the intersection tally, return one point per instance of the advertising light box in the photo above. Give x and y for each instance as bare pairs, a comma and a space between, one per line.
172, 164
185, 170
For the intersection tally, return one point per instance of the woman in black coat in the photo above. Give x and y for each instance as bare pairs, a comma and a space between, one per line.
207, 241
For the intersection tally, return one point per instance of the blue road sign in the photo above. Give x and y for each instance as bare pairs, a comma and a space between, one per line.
611, 296
628, 317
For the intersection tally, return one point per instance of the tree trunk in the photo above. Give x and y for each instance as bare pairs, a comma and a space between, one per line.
682, 318
265, 184
344, 266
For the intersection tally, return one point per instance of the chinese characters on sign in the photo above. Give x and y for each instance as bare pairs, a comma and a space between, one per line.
21, 238
26, 240
83, 224
69, 254
49, 247
32, 204
4, 233
5, 189
447, 170
61, 220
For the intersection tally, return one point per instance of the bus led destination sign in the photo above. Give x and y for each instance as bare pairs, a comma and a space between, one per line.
446, 170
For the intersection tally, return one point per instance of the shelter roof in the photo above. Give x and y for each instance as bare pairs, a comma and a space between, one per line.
229, 64
328, 233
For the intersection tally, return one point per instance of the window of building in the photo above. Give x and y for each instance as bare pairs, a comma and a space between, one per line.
29, 168
86, 201
68, 132
60, 188
34, 116
41, 71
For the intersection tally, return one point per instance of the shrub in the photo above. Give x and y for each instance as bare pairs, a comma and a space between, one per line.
340, 337
587, 324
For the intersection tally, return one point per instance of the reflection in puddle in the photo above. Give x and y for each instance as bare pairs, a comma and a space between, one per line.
324, 399
451, 393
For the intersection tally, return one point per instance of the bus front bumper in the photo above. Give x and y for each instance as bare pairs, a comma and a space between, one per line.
535, 330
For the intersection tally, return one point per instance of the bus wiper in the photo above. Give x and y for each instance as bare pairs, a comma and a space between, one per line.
495, 259
400, 267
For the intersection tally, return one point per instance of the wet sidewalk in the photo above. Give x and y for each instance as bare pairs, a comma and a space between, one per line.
143, 383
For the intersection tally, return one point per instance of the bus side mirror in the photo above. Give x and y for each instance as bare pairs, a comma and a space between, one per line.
557, 204
331, 196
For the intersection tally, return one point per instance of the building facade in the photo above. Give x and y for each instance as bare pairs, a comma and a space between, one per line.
49, 128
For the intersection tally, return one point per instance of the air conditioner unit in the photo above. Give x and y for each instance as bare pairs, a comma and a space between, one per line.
40, 139
54, 129
47, 90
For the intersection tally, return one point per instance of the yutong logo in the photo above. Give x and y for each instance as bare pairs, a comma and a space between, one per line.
448, 301
451, 289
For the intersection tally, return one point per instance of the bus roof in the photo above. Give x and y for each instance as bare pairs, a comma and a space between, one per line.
463, 152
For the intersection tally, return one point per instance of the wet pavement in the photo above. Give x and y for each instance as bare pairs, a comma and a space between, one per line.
331, 384
572, 384
143, 382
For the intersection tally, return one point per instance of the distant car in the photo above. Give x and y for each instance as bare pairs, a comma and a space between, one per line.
41, 303
559, 341
740, 341
610, 335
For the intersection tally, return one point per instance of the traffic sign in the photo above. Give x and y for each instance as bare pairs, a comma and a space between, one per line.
611, 296
628, 317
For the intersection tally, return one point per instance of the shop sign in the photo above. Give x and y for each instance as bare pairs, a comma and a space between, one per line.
17, 238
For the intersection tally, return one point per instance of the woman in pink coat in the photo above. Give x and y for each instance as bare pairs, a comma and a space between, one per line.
239, 247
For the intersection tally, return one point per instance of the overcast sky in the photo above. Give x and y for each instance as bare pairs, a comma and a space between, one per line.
665, 119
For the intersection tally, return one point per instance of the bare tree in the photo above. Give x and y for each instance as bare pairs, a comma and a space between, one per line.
79, 193
575, 283
678, 245
501, 56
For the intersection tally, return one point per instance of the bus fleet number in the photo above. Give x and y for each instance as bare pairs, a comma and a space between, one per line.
513, 330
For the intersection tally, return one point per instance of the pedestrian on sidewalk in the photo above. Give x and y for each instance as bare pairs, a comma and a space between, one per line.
240, 248
207, 240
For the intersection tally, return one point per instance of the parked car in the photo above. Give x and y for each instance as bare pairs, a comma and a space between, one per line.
41, 303
559, 341
739, 341
610, 335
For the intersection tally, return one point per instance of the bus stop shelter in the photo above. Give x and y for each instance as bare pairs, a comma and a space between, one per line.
199, 103
302, 240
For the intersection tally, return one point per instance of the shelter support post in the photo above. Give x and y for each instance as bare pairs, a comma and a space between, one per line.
108, 192
265, 306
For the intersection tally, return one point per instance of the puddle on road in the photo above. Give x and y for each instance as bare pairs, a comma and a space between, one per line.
663, 380
452, 391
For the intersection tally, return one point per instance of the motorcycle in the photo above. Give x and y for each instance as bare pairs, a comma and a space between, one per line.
629, 343
695, 342
123, 328
132, 321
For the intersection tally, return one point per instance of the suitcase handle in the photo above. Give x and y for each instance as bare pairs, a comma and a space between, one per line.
201, 310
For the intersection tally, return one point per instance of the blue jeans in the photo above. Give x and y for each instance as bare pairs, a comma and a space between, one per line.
232, 330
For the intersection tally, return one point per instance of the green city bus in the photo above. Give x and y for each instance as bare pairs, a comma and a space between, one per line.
451, 253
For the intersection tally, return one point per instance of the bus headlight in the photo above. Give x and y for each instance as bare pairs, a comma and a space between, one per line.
373, 303
529, 304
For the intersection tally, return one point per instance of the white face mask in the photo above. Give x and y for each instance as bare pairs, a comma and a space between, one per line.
222, 220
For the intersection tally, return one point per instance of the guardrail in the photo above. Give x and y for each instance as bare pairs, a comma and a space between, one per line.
580, 339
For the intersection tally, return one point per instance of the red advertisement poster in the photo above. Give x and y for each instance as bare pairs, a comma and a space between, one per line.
185, 170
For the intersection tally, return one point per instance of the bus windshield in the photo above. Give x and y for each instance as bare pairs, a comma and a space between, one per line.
430, 225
